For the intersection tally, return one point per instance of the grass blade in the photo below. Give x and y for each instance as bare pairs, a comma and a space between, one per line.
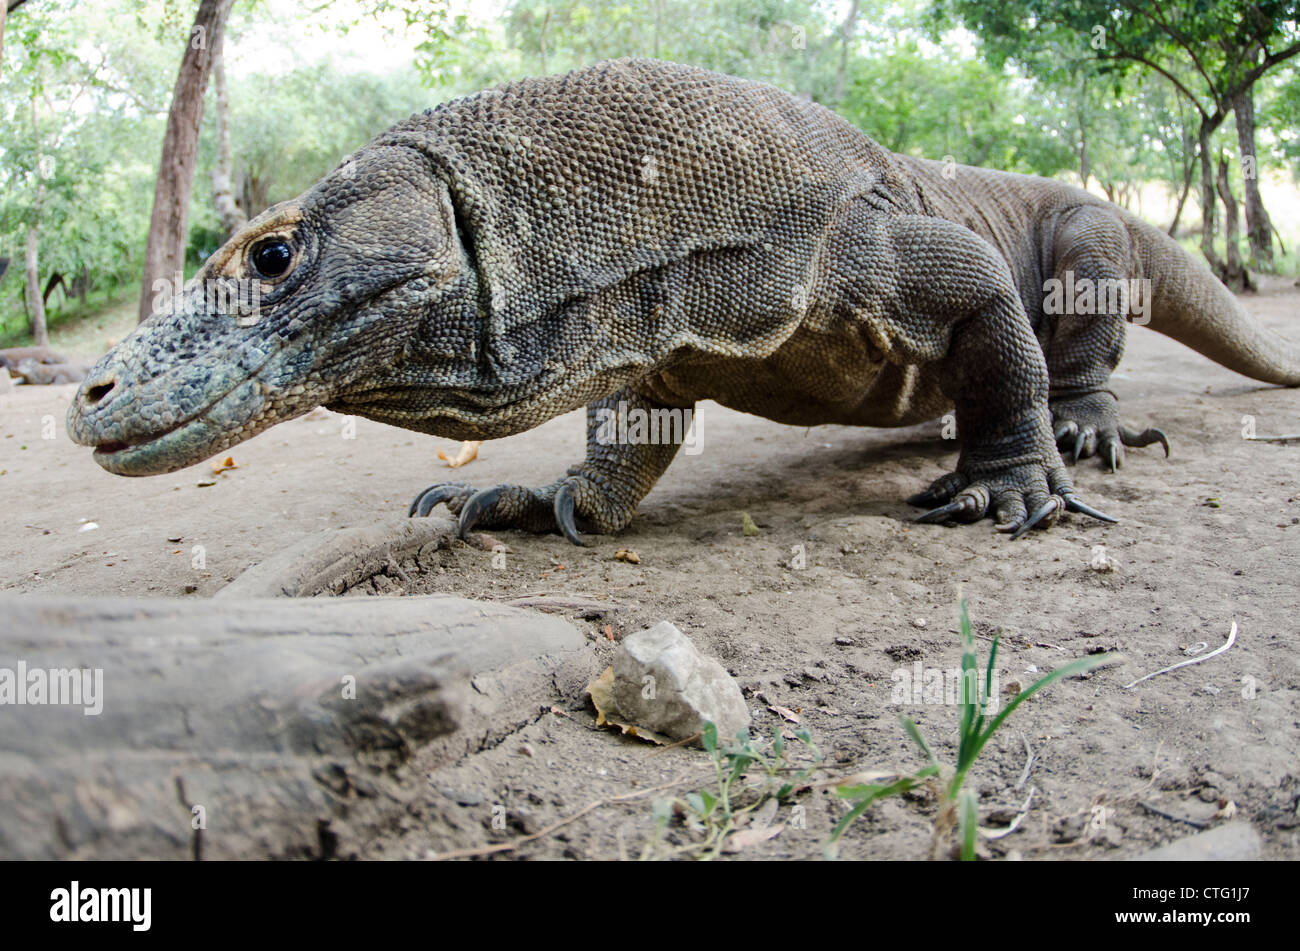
915, 733
967, 824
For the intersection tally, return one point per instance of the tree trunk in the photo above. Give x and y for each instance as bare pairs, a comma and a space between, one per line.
541, 40
165, 252
1259, 230
847, 30
223, 197
1085, 164
36, 313
1182, 200
35, 301
1236, 276
1208, 201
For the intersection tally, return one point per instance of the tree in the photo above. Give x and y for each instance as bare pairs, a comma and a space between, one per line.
223, 197
6, 7
1212, 52
35, 300
165, 250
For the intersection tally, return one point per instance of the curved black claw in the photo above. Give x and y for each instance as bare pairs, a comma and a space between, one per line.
943, 488
564, 514
426, 500
1072, 504
1144, 438
965, 505
1113, 459
1053, 504
475, 506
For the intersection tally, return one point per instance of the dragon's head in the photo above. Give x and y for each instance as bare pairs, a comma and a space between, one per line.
314, 302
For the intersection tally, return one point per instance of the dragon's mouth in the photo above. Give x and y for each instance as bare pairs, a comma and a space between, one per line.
117, 456
238, 414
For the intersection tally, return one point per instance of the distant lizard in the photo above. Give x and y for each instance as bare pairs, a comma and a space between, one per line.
652, 235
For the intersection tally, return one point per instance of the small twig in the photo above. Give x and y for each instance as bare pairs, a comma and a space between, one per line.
673, 746
1232, 639
1289, 438
1194, 823
1015, 823
554, 603
1029, 761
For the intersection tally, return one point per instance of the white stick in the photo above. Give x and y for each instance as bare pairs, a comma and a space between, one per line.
1232, 639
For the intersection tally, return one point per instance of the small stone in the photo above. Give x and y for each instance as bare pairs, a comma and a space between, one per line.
919, 622
661, 682
1231, 842
463, 797
845, 641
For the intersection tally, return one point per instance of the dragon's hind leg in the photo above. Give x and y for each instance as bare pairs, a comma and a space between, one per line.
932, 292
1087, 301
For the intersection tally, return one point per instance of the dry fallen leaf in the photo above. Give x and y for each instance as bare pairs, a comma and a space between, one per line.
628, 555
219, 467
601, 691
746, 837
488, 543
747, 525
784, 712
468, 453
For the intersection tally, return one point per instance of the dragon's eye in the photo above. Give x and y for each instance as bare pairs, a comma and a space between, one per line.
271, 257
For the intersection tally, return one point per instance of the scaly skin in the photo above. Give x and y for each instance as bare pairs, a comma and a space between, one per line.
655, 234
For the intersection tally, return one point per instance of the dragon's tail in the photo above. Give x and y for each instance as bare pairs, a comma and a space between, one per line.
1190, 305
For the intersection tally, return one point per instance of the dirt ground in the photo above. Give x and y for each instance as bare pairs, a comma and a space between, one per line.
1206, 538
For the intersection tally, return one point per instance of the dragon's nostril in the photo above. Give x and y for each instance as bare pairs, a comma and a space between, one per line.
99, 391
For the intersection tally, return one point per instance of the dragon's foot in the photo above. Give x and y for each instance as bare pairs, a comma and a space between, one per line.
1018, 498
569, 506
1089, 424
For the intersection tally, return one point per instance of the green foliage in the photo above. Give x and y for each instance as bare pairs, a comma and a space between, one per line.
72, 118
712, 815
923, 105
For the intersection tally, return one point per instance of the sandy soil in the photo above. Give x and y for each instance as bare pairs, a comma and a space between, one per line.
1209, 537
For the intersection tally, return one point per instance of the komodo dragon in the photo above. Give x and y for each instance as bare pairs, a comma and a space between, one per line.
653, 234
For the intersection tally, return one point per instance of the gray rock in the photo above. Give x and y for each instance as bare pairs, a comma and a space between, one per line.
685, 691
1231, 842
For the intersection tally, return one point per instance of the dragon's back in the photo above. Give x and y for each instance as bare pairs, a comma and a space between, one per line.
568, 186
